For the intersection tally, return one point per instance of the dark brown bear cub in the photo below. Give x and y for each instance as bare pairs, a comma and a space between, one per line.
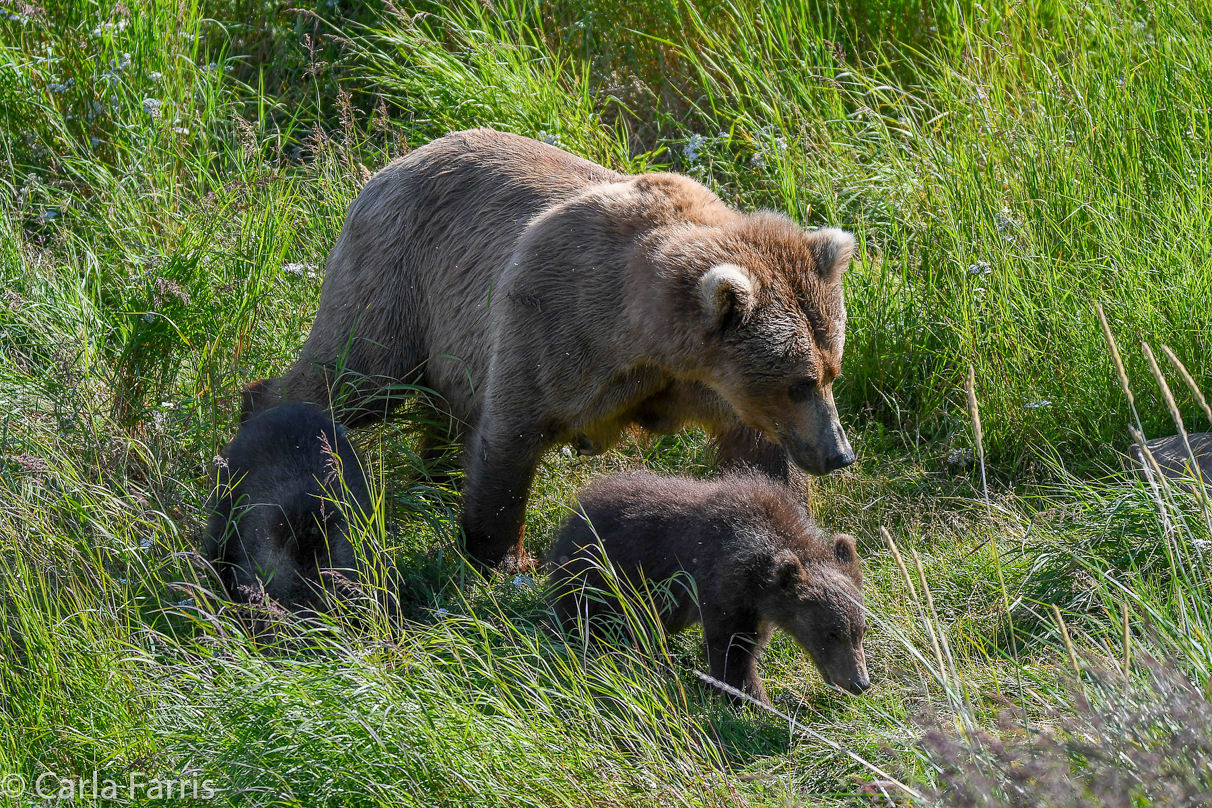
757, 561
280, 515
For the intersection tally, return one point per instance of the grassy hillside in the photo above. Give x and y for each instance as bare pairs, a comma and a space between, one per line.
173, 176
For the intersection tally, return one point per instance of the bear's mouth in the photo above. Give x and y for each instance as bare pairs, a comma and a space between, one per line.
819, 457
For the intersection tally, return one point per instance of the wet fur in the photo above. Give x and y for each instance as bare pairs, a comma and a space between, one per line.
756, 559
549, 300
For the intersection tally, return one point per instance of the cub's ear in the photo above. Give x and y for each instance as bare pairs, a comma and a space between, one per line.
727, 294
844, 549
831, 250
790, 571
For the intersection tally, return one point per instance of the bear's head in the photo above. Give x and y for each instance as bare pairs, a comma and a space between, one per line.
819, 601
774, 319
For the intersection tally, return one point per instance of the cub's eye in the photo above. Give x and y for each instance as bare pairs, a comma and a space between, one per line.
834, 637
801, 391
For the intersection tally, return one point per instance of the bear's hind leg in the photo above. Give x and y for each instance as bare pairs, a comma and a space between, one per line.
260, 395
355, 399
302, 382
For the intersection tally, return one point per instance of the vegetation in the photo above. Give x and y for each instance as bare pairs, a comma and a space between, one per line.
174, 174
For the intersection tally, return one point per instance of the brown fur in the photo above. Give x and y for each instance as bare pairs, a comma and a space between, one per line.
549, 300
755, 558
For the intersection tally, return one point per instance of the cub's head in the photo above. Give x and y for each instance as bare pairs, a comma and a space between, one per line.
819, 601
774, 315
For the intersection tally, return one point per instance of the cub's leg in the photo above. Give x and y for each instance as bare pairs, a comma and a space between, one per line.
733, 651
500, 463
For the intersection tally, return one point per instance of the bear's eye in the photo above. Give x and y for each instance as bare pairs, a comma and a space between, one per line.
834, 637
801, 391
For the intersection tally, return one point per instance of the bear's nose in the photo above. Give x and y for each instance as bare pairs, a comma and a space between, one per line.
859, 686
839, 460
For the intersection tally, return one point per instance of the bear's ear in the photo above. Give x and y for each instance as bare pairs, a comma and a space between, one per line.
844, 549
790, 570
831, 250
727, 293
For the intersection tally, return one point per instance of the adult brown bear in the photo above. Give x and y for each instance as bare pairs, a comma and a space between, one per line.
550, 300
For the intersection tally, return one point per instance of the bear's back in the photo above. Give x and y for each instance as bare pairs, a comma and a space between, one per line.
288, 448
476, 181
663, 524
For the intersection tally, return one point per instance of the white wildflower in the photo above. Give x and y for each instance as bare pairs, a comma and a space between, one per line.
523, 581
979, 268
152, 107
1202, 545
959, 457
691, 150
94, 141
1005, 221
156, 76
1037, 405
149, 317
551, 139
441, 613
566, 451
300, 270
61, 88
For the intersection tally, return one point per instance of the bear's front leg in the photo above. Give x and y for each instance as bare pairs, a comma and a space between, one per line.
740, 446
733, 658
500, 465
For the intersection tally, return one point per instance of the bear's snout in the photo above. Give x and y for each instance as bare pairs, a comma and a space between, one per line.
844, 668
814, 438
840, 460
829, 452
858, 686
855, 681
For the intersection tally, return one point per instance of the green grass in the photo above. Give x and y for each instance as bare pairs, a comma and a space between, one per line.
173, 179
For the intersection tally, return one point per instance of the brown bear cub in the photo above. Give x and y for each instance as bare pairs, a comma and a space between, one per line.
288, 486
545, 300
757, 561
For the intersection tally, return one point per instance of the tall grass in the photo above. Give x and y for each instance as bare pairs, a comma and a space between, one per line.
173, 180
